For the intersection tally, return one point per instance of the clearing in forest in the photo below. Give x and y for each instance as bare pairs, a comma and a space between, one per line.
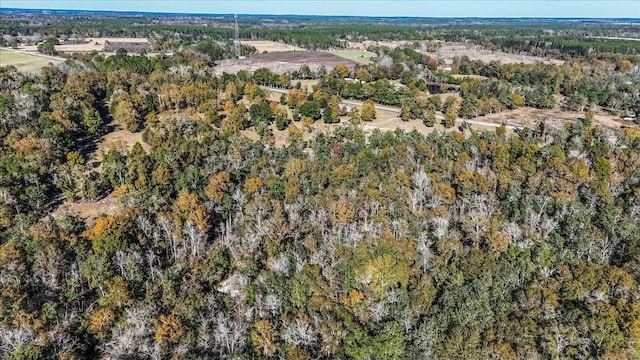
557, 117
282, 62
89, 210
116, 138
25, 62
93, 44
268, 46
359, 56
448, 51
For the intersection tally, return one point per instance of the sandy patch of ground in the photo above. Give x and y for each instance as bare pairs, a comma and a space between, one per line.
119, 138
279, 138
272, 96
385, 115
445, 96
477, 77
411, 125
449, 50
615, 38
268, 46
89, 210
283, 62
529, 117
307, 84
363, 45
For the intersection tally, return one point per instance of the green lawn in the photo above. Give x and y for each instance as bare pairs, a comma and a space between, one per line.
24, 62
360, 56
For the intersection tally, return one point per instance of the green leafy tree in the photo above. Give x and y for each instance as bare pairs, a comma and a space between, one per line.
368, 111
310, 109
48, 47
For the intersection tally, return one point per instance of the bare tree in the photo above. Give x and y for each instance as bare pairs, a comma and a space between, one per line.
12, 338
195, 239
167, 227
145, 225
439, 226
234, 286
228, 237
547, 226
634, 212
421, 190
274, 303
47, 266
230, 333
299, 332
127, 262
240, 200
513, 230
399, 227
280, 264
132, 338
378, 311
408, 320
425, 253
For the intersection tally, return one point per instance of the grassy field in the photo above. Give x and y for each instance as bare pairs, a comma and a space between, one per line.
91, 44
308, 84
24, 62
270, 46
360, 56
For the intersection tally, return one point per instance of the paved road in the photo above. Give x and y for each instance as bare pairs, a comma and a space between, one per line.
397, 110
33, 53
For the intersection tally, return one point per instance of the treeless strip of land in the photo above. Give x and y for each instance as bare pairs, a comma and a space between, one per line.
281, 62
25, 62
268, 46
359, 56
90, 44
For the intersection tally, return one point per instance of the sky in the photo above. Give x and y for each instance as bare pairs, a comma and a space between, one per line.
424, 8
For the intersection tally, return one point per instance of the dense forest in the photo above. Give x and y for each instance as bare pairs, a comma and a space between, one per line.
552, 38
474, 245
338, 244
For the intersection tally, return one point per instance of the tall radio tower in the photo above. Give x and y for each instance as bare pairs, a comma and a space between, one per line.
236, 42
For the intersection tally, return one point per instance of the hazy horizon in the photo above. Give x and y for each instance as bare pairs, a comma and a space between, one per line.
426, 8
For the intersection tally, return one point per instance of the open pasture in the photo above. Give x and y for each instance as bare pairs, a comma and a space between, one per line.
91, 44
359, 56
25, 62
268, 46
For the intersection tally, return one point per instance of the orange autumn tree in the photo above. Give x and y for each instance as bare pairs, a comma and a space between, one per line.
101, 321
263, 338
189, 207
217, 187
110, 234
169, 330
